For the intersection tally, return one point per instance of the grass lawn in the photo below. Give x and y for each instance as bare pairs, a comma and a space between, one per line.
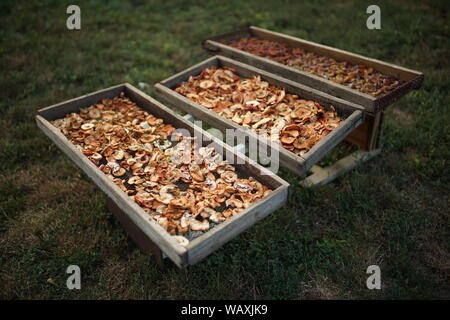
393, 211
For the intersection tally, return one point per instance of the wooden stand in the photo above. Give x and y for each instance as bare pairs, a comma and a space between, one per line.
366, 136
143, 242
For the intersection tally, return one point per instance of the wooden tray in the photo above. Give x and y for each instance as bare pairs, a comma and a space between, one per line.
352, 113
412, 79
148, 229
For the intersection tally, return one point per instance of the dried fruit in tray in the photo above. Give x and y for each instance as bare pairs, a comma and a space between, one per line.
295, 123
185, 188
356, 76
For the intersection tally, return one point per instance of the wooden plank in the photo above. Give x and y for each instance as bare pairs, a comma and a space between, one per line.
135, 215
59, 110
367, 135
361, 135
288, 159
195, 69
217, 237
322, 176
338, 54
413, 79
242, 32
376, 132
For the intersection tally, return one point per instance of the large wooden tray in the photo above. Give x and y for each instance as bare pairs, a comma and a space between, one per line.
352, 113
141, 222
412, 79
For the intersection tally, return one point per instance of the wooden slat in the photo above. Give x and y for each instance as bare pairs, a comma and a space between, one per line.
376, 132
242, 32
342, 55
59, 110
195, 69
361, 135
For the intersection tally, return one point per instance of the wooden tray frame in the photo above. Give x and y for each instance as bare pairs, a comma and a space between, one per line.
298, 164
413, 79
147, 233
368, 135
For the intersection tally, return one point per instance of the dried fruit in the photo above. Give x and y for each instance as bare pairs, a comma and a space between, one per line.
87, 126
295, 123
199, 225
360, 77
132, 148
181, 240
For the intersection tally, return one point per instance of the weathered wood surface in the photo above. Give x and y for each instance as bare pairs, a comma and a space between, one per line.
59, 110
352, 113
135, 214
321, 176
413, 79
361, 135
377, 131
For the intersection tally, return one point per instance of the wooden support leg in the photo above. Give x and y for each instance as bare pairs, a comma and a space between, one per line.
144, 243
325, 175
366, 136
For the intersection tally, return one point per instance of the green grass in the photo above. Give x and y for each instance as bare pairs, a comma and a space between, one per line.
393, 211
